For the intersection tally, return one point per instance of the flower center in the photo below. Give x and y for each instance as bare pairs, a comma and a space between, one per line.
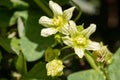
80, 40
58, 21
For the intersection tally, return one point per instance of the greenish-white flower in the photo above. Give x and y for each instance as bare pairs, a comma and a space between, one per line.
59, 22
80, 40
54, 68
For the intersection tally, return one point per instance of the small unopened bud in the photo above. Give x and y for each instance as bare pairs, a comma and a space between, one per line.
55, 68
103, 55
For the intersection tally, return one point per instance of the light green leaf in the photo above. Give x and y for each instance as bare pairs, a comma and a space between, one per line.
32, 44
86, 75
16, 15
20, 27
87, 6
19, 4
29, 49
21, 64
114, 68
38, 72
15, 45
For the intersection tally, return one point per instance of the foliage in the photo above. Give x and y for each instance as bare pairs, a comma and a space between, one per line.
25, 52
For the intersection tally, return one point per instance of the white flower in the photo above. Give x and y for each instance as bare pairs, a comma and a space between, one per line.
80, 40
54, 68
59, 22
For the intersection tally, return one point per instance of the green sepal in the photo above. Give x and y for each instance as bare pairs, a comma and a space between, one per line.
51, 54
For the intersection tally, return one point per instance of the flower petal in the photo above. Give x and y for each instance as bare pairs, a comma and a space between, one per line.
91, 29
72, 28
67, 40
48, 31
45, 21
64, 29
68, 13
79, 52
93, 45
57, 10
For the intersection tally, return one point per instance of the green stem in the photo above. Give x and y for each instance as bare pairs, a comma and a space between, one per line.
92, 62
80, 12
78, 16
66, 57
106, 74
43, 7
65, 48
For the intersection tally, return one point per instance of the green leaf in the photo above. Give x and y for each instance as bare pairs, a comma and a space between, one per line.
21, 64
86, 75
29, 49
32, 44
51, 54
6, 3
114, 68
5, 16
20, 27
87, 6
15, 45
0, 55
5, 43
16, 15
20, 4
38, 72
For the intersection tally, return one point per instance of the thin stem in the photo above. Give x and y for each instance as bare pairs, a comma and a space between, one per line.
43, 7
92, 62
78, 16
66, 57
106, 74
80, 12
65, 48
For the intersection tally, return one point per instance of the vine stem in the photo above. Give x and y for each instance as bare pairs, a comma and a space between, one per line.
106, 74
91, 61
66, 57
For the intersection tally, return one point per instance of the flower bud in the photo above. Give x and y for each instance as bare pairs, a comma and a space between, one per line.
54, 68
103, 55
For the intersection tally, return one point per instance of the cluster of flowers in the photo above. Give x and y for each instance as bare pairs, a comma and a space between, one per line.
73, 36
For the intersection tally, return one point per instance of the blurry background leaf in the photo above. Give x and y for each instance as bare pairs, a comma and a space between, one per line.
20, 4
32, 44
10, 4
0, 56
86, 75
20, 27
21, 65
38, 72
6, 3
90, 7
5, 16
16, 15
114, 68
5, 43
15, 45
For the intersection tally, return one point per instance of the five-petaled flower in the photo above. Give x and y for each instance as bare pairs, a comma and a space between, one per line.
59, 22
79, 40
